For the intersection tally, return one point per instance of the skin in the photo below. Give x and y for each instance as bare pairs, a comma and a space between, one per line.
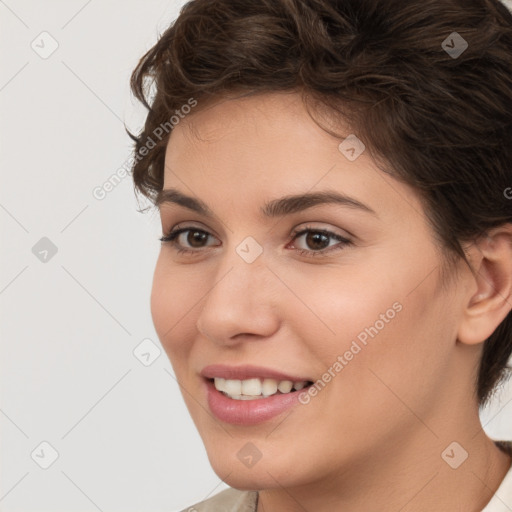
375, 434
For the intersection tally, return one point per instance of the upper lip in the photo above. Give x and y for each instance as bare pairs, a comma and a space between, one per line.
246, 372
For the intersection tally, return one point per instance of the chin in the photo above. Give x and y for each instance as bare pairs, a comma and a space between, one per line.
262, 475
249, 480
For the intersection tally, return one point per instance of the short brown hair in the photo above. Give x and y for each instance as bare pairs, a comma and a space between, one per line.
439, 121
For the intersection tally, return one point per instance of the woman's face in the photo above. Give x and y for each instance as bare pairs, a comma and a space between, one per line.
367, 317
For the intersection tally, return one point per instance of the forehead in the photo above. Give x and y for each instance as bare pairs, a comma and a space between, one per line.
222, 112
267, 145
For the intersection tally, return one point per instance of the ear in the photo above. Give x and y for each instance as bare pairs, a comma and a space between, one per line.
491, 258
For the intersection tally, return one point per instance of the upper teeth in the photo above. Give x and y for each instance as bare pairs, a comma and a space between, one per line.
253, 388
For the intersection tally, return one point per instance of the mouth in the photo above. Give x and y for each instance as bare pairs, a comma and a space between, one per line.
248, 395
256, 388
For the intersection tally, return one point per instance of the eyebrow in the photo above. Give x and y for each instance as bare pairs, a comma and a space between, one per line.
275, 208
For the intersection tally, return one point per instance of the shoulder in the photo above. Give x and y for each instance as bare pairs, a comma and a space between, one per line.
229, 500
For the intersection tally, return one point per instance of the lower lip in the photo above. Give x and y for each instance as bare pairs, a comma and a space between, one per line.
248, 412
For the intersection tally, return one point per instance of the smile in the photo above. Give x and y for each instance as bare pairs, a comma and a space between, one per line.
256, 388
248, 395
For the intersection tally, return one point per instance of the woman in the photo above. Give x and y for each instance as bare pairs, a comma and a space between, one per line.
334, 287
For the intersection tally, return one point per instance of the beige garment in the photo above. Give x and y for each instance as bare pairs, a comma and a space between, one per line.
229, 500
233, 500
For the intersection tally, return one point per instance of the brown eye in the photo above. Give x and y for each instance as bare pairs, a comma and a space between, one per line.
196, 238
189, 239
317, 242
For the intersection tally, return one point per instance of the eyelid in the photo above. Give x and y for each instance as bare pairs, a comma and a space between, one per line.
189, 224
308, 227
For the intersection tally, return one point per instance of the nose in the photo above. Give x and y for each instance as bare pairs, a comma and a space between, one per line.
241, 303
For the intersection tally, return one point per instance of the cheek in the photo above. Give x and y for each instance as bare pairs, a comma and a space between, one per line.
173, 296
379, 316
395, 340
332, 307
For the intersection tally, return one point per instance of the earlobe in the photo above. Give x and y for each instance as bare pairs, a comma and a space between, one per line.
490, 303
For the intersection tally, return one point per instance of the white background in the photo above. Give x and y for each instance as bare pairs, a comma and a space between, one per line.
69, 325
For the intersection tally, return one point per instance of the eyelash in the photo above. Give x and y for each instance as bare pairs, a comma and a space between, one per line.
172, 235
